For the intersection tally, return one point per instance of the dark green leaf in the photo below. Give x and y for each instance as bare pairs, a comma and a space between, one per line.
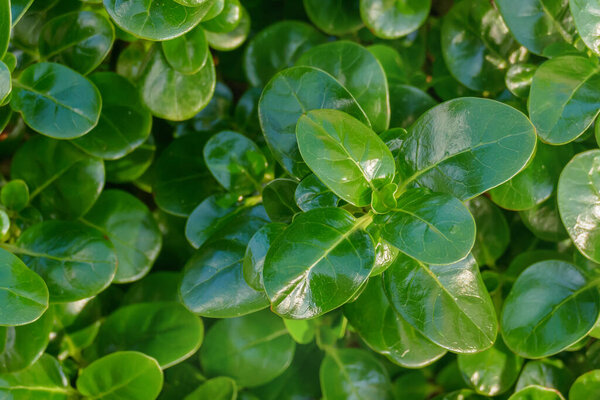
187, 53
493, 234
221, 388
334, 17
312, 193
254, 258
279, 199
391, 19
585, 16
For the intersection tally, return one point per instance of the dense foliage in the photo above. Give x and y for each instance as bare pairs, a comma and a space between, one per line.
285, 199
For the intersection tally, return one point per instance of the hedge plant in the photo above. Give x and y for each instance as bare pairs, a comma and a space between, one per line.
285, 199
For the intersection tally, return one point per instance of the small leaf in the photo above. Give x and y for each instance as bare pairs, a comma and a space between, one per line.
187, 53
536, 393
334, 17
585, 15
254, 258
394, 19
278, 199
221, 388
312, 193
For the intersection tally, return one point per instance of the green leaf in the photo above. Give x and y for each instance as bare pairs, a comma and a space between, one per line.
18, 8
544, 221
182, 179
391, 19
536, 393
5, 82
56, 101
165, 331
213, 283
277, 47
312, 193
290, 94
75, 260
227, 20
319, 263
80, 40
346, 155
229, 41
587, 386
221, 388
353, 374
303, 331
578, 196
21, 346
408, 103
55, 170
493, 371
536, 24
122, 375
5, 17
124, 123
548, 373
518, 79
187, 53
156, 19
158, 286
434, 228
254, 258
563, 101
133, 165
585, 16
44, 380
477, 46
386, 332
212, 215
465, 147
353, 65
252, 350
15, 195
449, 304
23, 293
334, 17
536, 182
563, 305
235, 161
493, 234
171, 95
279, 199
129, 225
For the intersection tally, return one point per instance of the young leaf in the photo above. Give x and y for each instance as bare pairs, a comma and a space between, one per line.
346, 155
465, 147
563, 306
449, 304
126, 374
319, 262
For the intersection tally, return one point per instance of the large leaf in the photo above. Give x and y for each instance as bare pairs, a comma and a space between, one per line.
23, 293
54, 171
449, 304
578, 197
278, 47
75, 260
465, 147
391, 19
56, 101
346, 155
562, 306
156, 19
252, 350
587, 386
563, 101
124, 123
386, 332
434, 228
165, 331
586, 15
536, 24
353, 374
319, 262
122, 375
353, 65
132, 229
172, 95
290, 94
80, 40
477, 46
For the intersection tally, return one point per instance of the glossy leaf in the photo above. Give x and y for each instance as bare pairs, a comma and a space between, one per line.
391, 19
227, 20
585, 16
434, 228
125, 374
124, 123
493, 235
536, 393
165, 331
386, 332
466, 138
290, 94
577, 201
221, 388
587, 386
252, 350
23, 293
15, 195
154, 19
75, 260
550, 373
544, 221
254, 258
5, 82
312, 193
229, 41
56, 101
334, 17
278, 199
44, 380
408, 103
79, 40
5, 17
346, 155
337, 257
563, 305
563, 102
187, 53
209, 217
462, 317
